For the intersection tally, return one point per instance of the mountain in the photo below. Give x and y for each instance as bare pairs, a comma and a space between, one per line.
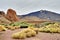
43, 14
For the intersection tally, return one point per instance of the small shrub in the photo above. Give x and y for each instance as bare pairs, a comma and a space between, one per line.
2, 28
58, 29
12, 28
35, 29
31, 33
15, 35
26, 30
19, 35
53, 30
28, 34
22, 35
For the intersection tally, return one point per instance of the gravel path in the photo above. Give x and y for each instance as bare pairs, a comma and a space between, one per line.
6, 35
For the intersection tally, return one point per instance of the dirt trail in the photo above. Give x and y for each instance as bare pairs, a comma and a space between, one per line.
6, 35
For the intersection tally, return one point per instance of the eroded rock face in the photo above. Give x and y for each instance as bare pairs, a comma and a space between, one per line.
11, 15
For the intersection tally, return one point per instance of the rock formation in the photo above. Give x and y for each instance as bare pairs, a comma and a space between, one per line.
3, 19
2, 13
11, 15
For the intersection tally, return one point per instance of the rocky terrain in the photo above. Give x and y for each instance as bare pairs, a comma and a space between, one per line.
9, 17
3, 19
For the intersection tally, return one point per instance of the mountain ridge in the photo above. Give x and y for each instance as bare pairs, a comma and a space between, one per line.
44, 14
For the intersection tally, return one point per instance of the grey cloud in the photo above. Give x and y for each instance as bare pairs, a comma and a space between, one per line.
26, 6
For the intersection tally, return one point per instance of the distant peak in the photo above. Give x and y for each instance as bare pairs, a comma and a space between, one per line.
43, 10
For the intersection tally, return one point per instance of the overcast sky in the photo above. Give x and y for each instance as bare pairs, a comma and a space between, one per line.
27, 6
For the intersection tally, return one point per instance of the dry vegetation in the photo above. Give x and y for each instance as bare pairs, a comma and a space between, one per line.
32, 30
23, 34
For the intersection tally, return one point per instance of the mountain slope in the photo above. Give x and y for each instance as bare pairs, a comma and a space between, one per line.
3, 20
32, 18
44, 14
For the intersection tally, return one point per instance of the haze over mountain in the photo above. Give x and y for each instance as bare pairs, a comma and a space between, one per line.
43, 14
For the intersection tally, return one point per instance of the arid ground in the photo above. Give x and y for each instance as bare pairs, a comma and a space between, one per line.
6, 35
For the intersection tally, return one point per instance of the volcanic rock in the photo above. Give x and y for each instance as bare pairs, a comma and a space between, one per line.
11, 15
2, 13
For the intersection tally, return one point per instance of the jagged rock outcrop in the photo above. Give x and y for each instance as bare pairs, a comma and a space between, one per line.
2, 13
11, 15
3, 19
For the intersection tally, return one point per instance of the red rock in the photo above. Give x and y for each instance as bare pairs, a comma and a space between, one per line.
11, 15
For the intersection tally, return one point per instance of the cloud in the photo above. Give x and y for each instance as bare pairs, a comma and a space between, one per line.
27, 6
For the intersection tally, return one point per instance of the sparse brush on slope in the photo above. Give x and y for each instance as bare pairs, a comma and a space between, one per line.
22, 24
53, 28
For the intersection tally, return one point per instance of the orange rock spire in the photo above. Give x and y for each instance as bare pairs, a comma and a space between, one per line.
11, 15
